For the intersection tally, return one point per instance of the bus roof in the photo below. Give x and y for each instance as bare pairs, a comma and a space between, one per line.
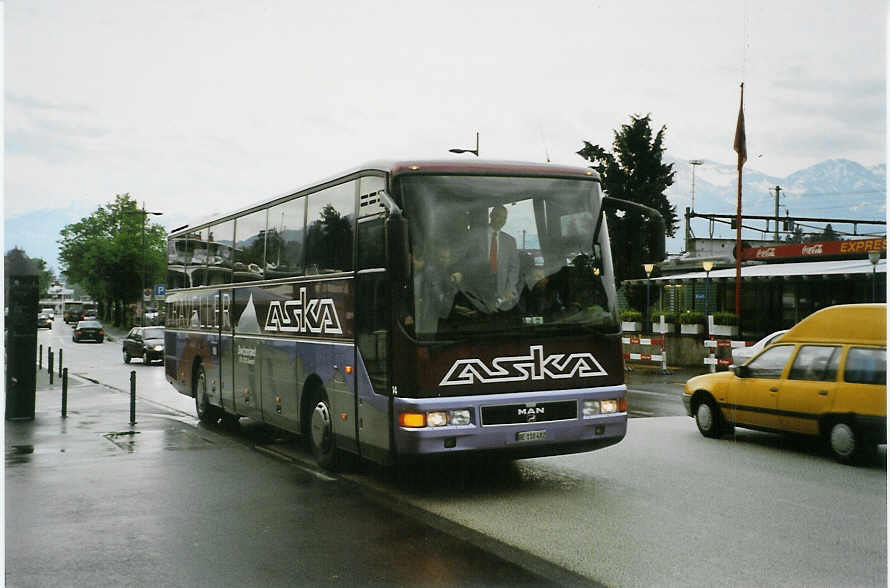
421, 166
844, 323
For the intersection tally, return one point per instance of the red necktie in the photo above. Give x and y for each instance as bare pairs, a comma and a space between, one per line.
493, 256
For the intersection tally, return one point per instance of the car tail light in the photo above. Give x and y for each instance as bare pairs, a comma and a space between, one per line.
78, 331
101, 332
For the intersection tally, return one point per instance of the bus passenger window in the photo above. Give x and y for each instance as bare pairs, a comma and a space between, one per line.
284, 239
219, 253
250, 243
329, 234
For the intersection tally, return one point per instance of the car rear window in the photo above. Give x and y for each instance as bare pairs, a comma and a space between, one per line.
89, 325
817, 363
866, 366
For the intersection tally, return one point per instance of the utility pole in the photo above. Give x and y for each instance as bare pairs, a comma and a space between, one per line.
776, 234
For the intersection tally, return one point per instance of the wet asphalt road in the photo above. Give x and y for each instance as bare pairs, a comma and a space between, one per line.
664, 507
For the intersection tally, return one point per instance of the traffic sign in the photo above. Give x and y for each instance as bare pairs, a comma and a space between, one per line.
160, 290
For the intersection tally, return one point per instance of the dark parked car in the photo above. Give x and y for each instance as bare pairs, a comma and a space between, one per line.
44, 321
88, 331
144, 342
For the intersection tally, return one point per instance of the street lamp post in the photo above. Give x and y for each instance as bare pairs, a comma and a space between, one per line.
473, 151
874, 257
144, 213
707, 266
648, 267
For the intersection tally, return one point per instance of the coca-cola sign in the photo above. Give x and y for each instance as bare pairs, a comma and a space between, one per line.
814, 249
826, 248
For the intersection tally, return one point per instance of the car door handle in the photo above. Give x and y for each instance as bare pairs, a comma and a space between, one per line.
773, 389
823, 392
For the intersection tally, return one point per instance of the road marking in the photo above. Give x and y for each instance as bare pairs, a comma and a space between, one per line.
642, 413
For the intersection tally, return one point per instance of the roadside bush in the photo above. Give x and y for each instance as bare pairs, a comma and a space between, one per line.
669, 317
631, 316
725, 318
692, 317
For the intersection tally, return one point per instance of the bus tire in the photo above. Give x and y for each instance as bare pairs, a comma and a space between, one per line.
207, 413
321, 432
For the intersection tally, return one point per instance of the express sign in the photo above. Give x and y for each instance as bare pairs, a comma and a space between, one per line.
823, 249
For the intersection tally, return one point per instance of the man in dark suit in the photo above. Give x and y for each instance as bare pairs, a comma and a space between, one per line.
498, 272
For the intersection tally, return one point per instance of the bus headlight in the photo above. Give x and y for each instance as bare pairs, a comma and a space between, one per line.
460, 417
591, 408
608, 406
437, 419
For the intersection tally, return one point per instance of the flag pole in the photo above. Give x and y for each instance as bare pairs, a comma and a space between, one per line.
740, 148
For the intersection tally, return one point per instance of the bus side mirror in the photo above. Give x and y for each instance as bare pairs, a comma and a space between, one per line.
653, 227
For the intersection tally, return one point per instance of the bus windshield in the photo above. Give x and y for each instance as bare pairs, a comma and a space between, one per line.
504, 254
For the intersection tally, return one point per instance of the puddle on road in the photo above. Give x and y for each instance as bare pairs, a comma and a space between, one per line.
157, 440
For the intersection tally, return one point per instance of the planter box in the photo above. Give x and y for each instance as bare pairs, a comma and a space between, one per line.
632, 326
724, 330
666, 328
692, 329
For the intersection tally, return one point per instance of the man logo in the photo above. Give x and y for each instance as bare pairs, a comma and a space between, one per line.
531, 414
523, 368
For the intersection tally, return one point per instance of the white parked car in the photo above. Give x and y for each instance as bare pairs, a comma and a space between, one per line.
742, 354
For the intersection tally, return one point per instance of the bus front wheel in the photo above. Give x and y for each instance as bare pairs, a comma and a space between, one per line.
321, 433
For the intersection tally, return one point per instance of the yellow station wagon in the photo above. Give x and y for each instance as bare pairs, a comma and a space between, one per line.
826, 377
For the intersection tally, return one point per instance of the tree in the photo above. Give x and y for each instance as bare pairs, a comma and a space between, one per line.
634, 171
104, 253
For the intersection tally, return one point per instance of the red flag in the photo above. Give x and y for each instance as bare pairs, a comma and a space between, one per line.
739, 144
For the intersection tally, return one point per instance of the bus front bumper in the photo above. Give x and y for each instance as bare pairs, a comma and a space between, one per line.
531, 438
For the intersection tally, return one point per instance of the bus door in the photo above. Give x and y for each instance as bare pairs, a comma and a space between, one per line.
372, 314
245, 355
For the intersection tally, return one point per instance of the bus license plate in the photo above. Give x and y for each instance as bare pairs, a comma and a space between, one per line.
531, 435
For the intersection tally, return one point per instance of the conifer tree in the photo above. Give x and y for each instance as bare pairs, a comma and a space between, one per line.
634, 171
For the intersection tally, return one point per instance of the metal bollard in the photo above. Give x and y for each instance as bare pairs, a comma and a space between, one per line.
133, 397
65, 393
49, 365
60, 363
40, 358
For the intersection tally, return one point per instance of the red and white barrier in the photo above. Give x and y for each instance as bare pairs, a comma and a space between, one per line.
717, 344
660, 354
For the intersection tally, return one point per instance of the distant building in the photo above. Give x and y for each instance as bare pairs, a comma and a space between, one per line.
781, 282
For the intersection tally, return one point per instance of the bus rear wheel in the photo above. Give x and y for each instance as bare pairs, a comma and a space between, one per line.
207, 413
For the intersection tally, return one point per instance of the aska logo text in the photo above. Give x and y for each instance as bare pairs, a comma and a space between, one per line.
535, 366
304, 315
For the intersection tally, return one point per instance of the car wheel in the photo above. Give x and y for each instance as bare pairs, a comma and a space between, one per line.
321, 433
708, 418
206, 412
127, 357
845, 444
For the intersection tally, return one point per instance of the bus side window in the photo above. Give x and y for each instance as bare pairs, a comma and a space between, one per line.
284, 239
250, 244
329, 231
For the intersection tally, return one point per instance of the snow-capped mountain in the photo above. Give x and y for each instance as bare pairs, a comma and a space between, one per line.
832, 189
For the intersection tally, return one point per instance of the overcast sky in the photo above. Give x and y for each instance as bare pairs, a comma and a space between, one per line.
202, 106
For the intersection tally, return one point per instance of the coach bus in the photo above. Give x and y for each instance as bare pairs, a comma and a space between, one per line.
409, 309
